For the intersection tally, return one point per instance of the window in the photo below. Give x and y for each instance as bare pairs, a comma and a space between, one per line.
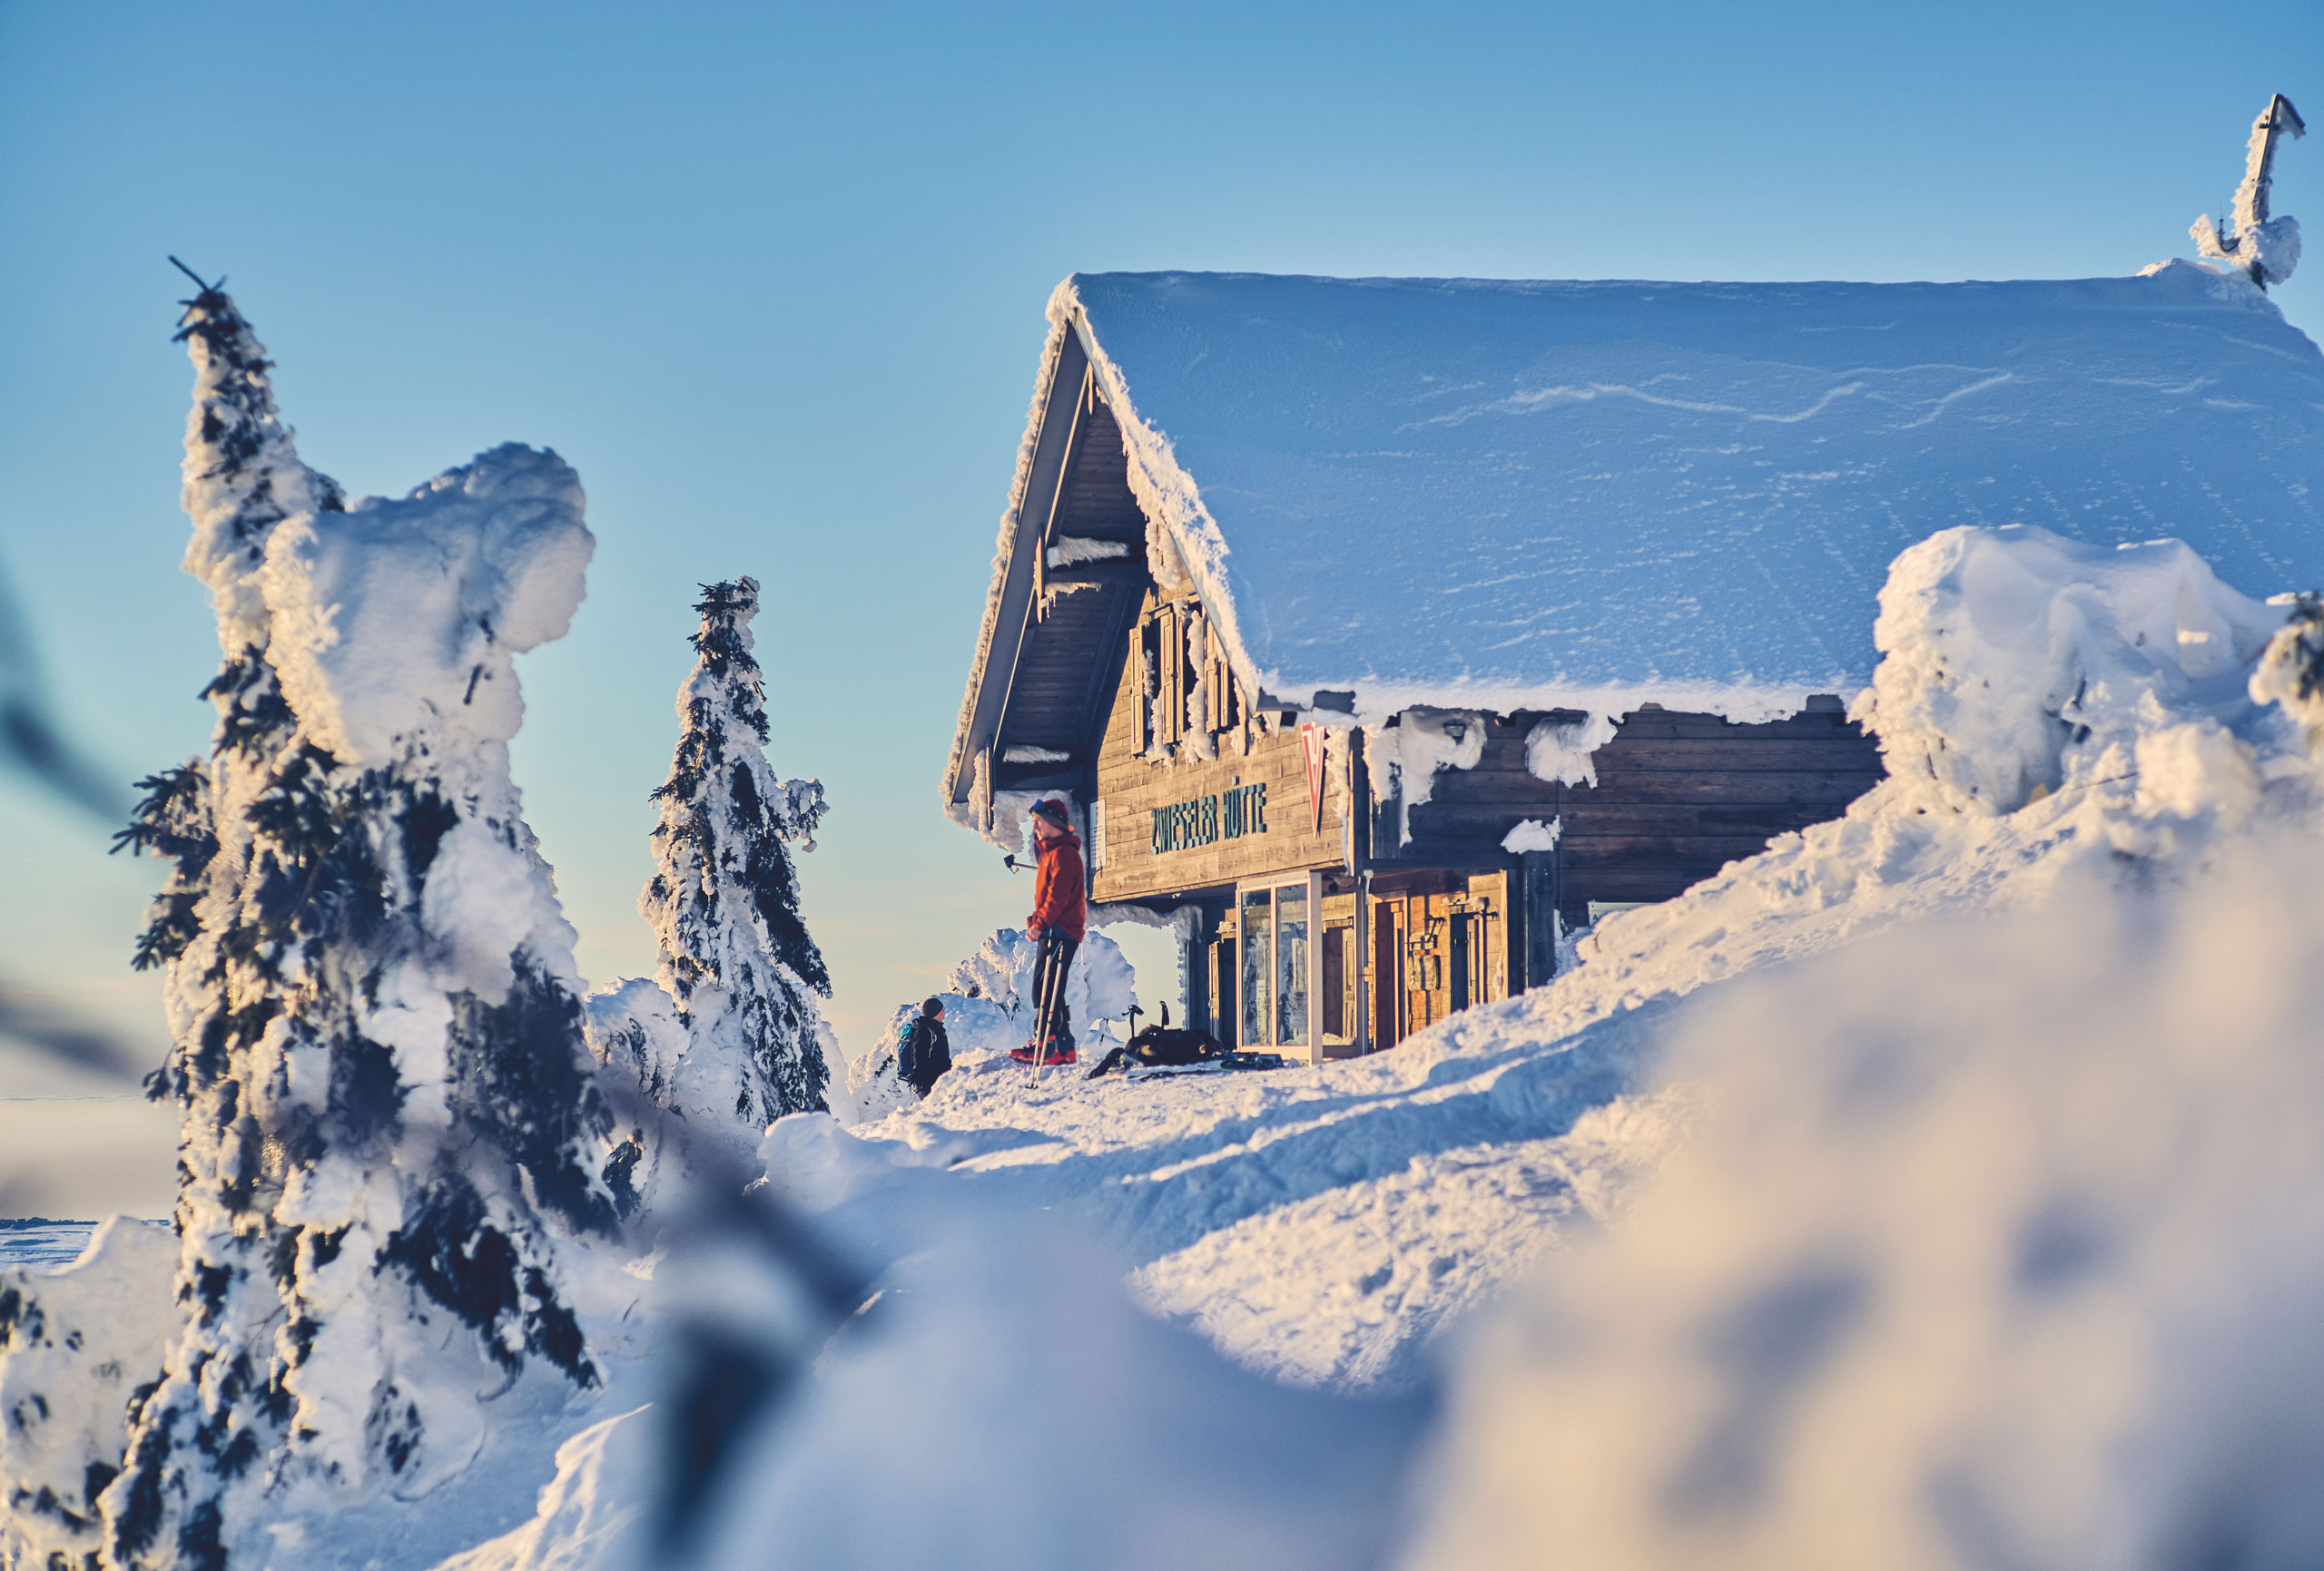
1332, 991
1189, 687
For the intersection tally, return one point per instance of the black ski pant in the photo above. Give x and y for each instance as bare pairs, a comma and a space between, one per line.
1054, 960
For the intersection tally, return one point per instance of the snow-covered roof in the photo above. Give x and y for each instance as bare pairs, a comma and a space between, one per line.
1591, 494
1503, 496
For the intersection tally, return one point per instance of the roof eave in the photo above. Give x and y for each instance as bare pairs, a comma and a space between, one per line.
1040, 458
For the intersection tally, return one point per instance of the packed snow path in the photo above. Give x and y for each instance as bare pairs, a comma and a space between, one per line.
1407, 1184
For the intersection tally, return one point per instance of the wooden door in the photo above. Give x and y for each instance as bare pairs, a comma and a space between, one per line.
1219, 973
1478, 921
1437, 953
1424, 946
1381, 974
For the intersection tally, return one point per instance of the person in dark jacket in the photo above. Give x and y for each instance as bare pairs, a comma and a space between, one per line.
923, 1053
1060, 915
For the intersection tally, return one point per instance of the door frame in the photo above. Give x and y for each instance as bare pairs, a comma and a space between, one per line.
1311, 1050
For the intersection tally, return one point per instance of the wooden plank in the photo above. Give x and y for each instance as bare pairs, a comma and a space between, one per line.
1433, 837
1107, 573
1598, 807
1662, 849
1526, 796
1669, 725
1739, 755
1742, 753
1666, 723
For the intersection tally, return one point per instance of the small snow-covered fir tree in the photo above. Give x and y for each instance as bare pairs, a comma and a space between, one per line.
723, 900
388, 1109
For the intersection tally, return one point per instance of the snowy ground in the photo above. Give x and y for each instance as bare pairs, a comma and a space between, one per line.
1936, 1184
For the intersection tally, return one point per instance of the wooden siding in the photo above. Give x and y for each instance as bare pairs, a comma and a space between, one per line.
1678, 796
1131, 786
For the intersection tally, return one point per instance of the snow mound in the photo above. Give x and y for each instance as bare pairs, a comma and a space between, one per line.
988, 1011
1997, 1243
2017, 663
1089, 1437
1100, 985
587, 1514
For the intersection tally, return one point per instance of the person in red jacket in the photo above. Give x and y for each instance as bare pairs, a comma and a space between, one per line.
1060, 915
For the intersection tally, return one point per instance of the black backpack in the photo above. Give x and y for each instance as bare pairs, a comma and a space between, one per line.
1162, 1045
1174, 1045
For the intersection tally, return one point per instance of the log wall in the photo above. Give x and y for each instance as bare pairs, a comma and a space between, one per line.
1678, 796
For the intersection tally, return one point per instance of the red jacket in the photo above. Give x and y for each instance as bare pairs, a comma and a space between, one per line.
1060, 901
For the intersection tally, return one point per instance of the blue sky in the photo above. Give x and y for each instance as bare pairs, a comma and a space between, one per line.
772, 278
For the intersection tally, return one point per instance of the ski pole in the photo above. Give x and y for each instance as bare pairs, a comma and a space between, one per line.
1045, 1012
1045, 1016
1040, 1002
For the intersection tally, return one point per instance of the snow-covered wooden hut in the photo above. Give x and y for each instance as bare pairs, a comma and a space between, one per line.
1383, 630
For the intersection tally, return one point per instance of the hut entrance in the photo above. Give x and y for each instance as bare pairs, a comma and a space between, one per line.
1279, 951
1443, 946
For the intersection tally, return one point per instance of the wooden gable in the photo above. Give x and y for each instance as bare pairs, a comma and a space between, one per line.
1196, 787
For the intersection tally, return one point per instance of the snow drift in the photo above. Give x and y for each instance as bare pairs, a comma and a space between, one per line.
1996, 1243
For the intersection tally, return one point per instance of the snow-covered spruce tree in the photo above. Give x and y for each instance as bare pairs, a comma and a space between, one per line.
388, 1108
2290, 670
725, 898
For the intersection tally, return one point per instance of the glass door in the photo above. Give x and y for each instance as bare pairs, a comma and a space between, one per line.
1291, 965
1256, 927
1275, 927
